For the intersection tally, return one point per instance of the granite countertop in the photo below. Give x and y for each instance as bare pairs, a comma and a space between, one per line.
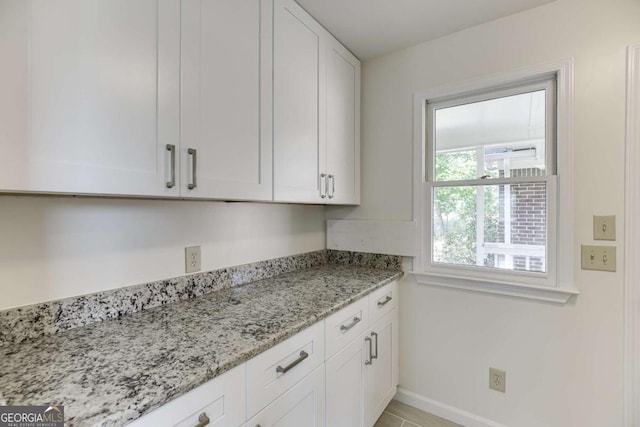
109, 373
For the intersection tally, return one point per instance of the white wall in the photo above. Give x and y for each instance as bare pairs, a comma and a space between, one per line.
563, 362
53, 248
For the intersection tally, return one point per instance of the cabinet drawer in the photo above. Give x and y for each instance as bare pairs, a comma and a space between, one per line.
345, 325
382, 301
273, 372
222, 400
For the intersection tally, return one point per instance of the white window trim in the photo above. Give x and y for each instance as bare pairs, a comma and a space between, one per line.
498, 282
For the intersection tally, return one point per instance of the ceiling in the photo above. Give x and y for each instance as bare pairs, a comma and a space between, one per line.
371, 28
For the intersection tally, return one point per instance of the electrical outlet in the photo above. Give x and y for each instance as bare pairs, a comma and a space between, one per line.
604, 227
192, 259
598, 258
497, 380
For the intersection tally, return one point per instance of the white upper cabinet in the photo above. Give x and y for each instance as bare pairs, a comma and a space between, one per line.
90, 95
226, 90
343, 125
316, 112
299, 104
211, 99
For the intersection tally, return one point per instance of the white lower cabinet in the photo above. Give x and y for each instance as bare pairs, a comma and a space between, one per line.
341, 372
380, 379
346, 385
303, 405
362, 377
220, 401
278, 369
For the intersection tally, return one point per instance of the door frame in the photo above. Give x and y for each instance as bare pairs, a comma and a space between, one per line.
632, 243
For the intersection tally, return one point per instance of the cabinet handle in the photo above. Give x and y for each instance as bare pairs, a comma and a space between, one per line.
172, 181
345, 328
203, 420
194, 164
368, 362
373, 334
303, 355
386, 300
333, 185
323, 180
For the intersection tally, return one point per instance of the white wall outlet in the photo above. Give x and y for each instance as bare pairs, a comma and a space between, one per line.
604, 227
497, 380
601, 258
192, 259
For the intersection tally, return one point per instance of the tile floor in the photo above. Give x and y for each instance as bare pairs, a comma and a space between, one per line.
400, 415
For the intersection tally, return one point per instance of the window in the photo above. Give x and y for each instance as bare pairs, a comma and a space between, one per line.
489, 189
489, 163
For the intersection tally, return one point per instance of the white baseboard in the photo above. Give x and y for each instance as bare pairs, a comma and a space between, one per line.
445, 411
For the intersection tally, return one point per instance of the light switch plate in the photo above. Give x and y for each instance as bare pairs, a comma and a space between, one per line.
604, 227
192, 259
601, 258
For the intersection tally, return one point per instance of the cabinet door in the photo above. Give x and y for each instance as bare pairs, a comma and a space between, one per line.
299, 104
93, 95
345, 385
303, 405
343, 125
226, 50
380, 375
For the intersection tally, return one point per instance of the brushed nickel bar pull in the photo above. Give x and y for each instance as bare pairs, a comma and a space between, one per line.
345, 328
172, 181
203, 420
303, 355
323, 180
368, 362
194, 164
386, 300
373, 334
333, 185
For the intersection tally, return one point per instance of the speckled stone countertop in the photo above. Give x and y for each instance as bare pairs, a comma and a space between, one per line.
112, 372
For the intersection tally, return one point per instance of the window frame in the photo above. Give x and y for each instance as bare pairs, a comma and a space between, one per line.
556, 284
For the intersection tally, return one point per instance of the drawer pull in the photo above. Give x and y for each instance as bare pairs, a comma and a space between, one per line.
368, 362
203, 420
172, 181
345, 328
194, 164
386, 300
323, 180
375, 335
333, 185
303, 355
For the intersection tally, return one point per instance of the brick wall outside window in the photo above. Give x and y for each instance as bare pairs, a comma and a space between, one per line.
528, 217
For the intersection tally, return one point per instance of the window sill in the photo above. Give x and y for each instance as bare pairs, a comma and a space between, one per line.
556, 295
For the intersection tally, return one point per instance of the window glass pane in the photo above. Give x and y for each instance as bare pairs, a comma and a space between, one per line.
493, 226
491, 138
